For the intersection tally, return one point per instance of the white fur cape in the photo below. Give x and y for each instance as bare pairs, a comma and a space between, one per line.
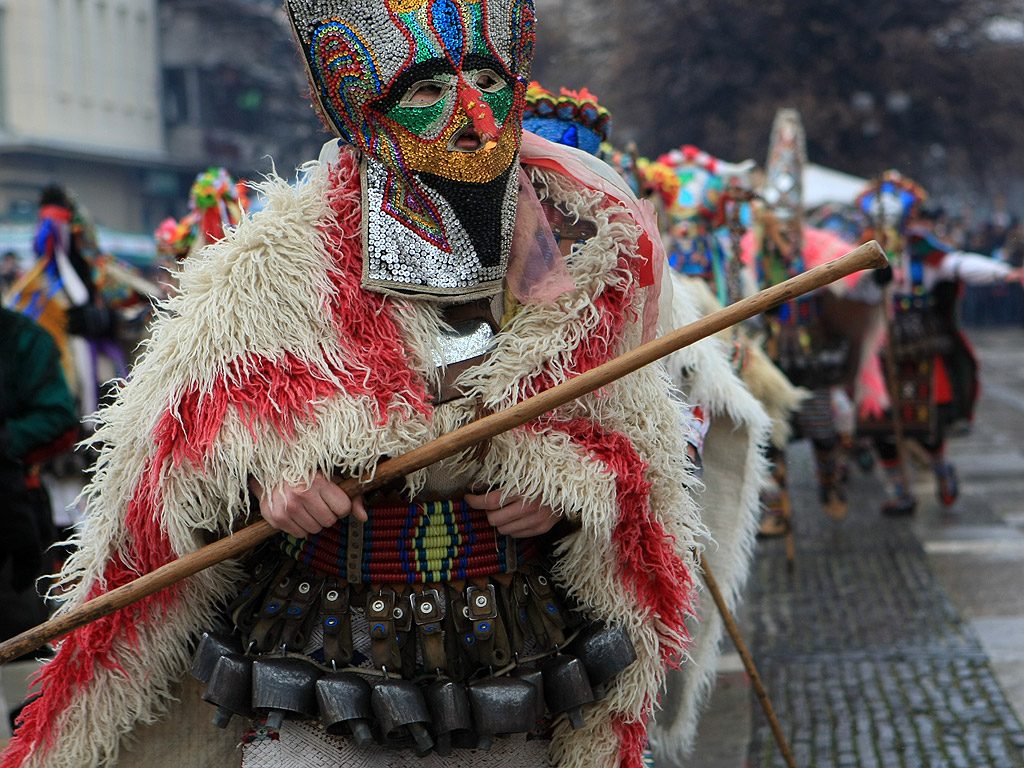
260, 367
735, 472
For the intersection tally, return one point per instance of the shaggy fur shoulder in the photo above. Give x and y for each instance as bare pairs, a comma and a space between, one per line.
273, 363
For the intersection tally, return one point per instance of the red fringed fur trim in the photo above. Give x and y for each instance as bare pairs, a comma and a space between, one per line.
615, 312
655, 577
652, 574
632, 741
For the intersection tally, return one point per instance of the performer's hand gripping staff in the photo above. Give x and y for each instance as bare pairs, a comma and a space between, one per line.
867, 256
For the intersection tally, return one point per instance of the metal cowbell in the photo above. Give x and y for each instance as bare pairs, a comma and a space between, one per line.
448, 704
230, 688
344, 701
567, 687
401, 710
502, 705
211, 647
283, 685
535, 677
604, 651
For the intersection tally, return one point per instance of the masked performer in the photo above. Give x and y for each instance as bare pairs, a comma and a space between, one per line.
408, 283
933, 374
61, 294
812, 338
706, 205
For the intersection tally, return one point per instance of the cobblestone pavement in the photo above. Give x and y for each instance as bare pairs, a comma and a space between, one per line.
866, 657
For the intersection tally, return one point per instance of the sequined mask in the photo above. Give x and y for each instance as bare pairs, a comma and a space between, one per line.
432, 93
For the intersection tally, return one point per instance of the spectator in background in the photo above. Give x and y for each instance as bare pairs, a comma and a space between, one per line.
1012, 251
997, 227
10, 270
37, 421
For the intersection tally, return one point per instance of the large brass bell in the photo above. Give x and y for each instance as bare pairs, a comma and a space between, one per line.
345, 708
211, 647
567, 687
402, 712
604, 651
501, 706
230, 688
282, 686
448, 704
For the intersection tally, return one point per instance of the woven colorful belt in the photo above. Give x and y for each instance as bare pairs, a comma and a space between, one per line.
416, 543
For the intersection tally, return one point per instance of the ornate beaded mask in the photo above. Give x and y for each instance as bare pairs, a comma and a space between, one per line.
432, 93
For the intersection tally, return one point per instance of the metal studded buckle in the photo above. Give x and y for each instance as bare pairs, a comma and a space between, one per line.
427, 608
481, 602
380, 613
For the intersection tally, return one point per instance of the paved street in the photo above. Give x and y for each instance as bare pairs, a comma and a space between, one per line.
894, 643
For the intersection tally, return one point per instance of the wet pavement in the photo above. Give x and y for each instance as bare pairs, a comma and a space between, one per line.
893, 643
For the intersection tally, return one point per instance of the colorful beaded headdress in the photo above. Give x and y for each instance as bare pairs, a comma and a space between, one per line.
215, 201
571, 118
892, 200
431, 92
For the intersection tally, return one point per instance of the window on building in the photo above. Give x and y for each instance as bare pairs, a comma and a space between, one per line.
3, 72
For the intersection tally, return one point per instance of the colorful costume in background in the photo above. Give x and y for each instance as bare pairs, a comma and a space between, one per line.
62, 294
704, 203
216, 203
413, 279
573, 118
935, 376
809, 338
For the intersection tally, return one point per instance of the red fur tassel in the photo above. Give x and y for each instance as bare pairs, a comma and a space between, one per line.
632, 741
656, 578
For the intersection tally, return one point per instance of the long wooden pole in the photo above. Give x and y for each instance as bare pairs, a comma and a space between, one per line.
748, 663
867, 256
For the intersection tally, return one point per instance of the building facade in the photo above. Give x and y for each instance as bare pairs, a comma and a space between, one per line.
125, 101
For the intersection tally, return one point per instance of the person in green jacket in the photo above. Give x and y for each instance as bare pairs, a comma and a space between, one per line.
38, 420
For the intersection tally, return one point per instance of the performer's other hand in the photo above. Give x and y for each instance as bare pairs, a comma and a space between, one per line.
517, 517
303, 511
1014, 275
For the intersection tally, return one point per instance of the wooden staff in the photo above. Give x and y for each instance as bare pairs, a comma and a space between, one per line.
137, 283
867, 256
748, 662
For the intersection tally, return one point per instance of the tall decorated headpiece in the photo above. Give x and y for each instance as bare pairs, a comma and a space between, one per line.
783, 196
787, 155
431, 92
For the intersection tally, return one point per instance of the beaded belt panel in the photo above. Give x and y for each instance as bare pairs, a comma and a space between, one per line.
415, 543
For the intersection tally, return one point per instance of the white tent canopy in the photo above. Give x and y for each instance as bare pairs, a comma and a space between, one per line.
825, 185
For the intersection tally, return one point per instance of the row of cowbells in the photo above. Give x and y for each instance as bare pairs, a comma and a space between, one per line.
437, 716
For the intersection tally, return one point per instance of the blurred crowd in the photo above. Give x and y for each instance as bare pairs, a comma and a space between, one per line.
999, 235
